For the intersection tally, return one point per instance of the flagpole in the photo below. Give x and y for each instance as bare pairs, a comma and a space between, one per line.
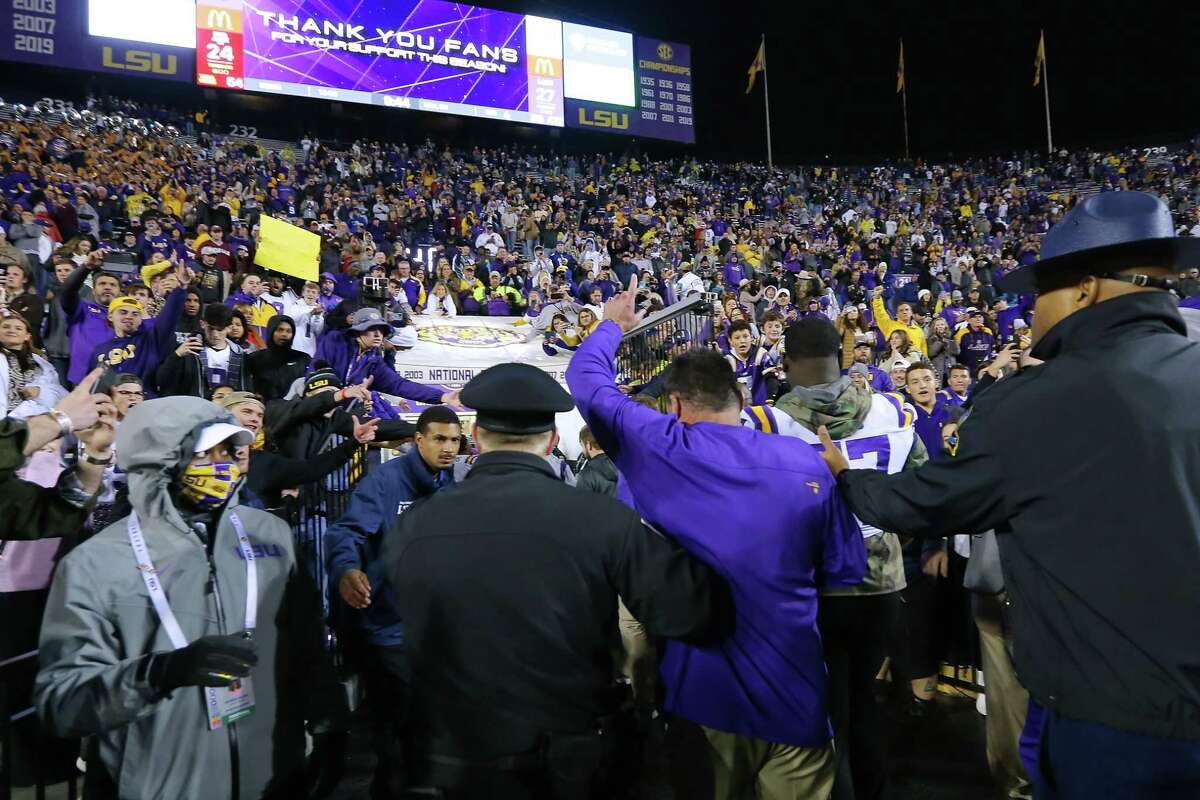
1046, 93
767, 103
904, 99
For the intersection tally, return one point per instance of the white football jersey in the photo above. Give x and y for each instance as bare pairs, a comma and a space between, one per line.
884, 442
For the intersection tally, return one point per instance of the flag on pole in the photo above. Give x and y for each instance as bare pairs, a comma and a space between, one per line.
1041, 59
759, 65
900, 70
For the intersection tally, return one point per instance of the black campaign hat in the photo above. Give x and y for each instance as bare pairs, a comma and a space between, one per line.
515, 398
1104, 234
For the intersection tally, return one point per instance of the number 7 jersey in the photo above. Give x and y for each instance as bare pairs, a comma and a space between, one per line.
885, 442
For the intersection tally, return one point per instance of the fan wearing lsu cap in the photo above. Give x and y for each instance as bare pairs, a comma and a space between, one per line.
185, 639
510, 614
1085, 465
139, 344
877, 431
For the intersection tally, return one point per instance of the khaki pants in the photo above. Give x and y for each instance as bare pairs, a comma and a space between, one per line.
772, 771
1007, 702
640, 664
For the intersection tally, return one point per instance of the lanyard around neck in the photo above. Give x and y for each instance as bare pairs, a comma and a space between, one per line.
159, 597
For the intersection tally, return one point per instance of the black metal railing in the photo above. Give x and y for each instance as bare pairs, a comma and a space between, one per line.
647, 349
29, 759
317, 506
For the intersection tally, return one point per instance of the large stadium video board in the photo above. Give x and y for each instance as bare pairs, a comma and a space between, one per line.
428, 55
433, 55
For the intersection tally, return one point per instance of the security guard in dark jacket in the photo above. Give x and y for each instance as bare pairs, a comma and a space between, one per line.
1099, 531
507, 584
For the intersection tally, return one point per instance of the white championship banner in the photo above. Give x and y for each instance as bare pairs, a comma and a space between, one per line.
449, 352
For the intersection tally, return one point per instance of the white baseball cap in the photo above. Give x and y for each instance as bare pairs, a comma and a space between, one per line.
219, 432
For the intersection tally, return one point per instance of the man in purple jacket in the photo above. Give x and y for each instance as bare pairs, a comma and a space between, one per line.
87, 320
758, 509
735, 271
354, 355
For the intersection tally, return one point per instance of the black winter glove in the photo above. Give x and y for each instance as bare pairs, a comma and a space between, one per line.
208, 661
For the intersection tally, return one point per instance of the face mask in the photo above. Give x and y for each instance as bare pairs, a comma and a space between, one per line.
210, 485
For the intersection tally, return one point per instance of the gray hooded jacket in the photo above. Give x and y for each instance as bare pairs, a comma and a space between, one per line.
100, 627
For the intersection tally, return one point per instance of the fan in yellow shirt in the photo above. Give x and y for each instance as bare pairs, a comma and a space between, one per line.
135, 203
902, 322
172, 196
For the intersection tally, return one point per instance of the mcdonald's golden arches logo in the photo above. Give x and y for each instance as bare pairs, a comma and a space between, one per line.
216, 18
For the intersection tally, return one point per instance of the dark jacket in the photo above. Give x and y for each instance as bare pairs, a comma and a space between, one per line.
355, 541
272, 472
599, 475
188, 375
273, 369
30, 511
299, 428
1086, 467
512, 614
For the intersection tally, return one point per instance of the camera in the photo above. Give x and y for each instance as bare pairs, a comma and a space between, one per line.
375, 288
118, 263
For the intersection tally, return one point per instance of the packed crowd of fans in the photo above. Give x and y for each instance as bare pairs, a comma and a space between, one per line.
134, 250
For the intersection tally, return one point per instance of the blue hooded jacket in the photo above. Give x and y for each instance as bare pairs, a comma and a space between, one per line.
356, 540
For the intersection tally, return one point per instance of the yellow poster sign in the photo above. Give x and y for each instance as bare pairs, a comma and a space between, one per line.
283, 247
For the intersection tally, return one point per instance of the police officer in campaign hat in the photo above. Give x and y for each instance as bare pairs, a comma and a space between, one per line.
508, 585
1086, 466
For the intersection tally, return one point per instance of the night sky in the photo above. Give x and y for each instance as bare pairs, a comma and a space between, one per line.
1120, 72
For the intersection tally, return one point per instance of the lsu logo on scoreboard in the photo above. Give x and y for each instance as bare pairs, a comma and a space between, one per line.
613, 120
139, 61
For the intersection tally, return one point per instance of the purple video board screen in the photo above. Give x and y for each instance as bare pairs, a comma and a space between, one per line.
428, 55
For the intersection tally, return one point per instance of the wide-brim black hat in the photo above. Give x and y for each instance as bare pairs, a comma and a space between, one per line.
1105, 233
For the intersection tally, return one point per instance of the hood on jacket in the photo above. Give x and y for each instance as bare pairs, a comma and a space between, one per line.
840, 406
155, 442
272, 326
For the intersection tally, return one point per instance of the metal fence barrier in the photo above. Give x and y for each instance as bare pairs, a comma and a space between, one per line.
317, 506
45, 762
646, 350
